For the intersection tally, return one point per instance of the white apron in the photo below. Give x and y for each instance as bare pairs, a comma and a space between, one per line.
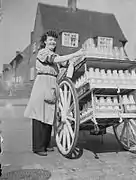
41, 105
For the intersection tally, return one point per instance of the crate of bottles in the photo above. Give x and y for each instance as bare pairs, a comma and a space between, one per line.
109, 78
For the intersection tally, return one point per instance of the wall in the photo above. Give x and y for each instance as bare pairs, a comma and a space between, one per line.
37, 33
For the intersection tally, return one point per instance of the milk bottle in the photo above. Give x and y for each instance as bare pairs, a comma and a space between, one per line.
97, 75
126, 102
70, 70
102, 102
127, 76
110, 76
117, 53
133, 76
103, 76
115, 76
122, 77
97, 103
109, 102
92, 75
132, 102
122, 54
115, 102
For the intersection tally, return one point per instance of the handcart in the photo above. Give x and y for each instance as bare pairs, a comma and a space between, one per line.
100, 94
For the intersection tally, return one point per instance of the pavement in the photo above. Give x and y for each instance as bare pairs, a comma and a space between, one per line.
96, 161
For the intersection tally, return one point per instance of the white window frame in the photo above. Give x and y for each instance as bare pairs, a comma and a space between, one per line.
105, 42
67, 39
19, 79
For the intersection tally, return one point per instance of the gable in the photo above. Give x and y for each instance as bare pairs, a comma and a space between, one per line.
86, 23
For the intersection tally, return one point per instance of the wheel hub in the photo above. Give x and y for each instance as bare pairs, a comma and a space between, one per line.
63, 117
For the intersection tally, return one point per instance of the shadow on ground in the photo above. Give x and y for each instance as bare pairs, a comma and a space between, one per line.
95, 144
99, 144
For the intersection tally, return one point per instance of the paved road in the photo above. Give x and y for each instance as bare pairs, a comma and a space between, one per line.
112, 162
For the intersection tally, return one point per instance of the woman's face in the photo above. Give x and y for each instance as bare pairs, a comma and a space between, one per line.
50, 43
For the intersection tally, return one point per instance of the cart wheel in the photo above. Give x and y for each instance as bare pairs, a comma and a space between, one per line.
125, 133
67, 118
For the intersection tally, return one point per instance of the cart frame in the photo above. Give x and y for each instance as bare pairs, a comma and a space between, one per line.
68, 114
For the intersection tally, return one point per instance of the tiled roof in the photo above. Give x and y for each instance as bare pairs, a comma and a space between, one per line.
22, 56
26, 53
5, 66
86, 23
16, 60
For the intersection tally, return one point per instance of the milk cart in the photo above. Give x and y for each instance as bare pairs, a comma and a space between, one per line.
100, 94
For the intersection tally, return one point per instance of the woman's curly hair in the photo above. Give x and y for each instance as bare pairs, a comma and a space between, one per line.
44, 37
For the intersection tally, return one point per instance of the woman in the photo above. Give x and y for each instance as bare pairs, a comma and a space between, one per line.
41, 106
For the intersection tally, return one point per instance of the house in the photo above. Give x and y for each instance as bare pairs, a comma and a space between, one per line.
74, 27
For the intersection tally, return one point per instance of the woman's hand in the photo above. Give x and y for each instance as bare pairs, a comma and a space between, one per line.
70, 57
77, 54
81, 52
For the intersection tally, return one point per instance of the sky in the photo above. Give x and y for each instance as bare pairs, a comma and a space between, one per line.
19, 17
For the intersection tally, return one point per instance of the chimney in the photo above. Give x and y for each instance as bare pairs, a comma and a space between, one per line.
6, 67
72, 5
17, 53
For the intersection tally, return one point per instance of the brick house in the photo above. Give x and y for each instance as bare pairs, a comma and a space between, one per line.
73, 25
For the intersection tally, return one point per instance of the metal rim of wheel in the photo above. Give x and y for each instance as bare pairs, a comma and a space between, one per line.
125, 133
67, 123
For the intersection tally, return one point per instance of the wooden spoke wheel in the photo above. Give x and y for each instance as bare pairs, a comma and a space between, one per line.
125, 133
67, 118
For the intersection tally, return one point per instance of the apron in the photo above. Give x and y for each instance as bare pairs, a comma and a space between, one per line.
42, 102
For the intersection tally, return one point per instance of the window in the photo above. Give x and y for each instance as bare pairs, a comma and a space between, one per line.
32, 74
70, 39
13, 79
105, 43
34, 47
18, 79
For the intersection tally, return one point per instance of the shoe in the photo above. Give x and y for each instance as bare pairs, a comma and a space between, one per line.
41, 153
50, 149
